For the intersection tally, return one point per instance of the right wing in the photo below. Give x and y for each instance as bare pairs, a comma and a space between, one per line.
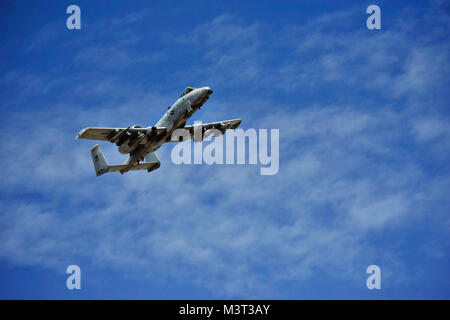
222, 126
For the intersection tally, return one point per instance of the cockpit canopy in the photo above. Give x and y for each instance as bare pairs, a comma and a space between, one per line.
186, 91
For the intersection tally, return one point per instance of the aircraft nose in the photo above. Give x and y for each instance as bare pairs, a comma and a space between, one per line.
208, 90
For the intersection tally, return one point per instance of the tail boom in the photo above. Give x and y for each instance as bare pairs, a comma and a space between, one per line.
101, 165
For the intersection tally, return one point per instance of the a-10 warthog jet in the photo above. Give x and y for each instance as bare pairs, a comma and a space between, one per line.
141, 143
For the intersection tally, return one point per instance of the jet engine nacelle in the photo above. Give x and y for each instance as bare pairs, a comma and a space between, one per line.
124, 148
124, 138
130, 144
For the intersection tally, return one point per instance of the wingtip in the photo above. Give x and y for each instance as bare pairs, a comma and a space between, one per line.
80, 134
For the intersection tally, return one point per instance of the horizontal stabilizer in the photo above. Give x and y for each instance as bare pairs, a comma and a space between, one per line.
101, 164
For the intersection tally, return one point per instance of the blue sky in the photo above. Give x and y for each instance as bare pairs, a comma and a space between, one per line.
364, 150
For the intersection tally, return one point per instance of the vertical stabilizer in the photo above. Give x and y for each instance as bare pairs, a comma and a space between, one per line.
100, 164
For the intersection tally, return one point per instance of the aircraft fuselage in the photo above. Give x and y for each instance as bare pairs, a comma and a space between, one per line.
175, 118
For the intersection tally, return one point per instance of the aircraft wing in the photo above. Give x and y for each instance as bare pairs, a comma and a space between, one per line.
113, 134
220, 125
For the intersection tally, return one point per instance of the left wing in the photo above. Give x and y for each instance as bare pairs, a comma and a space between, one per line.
113, 134
222, 126
104, 134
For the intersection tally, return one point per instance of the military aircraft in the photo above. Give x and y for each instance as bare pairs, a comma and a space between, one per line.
141, 143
